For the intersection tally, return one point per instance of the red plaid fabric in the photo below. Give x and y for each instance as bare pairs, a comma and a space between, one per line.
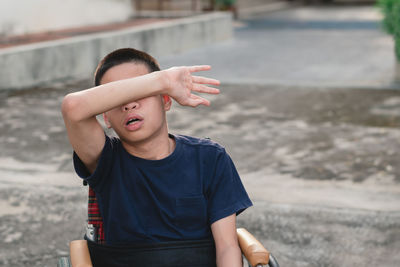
94, 216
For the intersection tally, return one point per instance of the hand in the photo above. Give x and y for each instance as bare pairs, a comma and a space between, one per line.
181, 83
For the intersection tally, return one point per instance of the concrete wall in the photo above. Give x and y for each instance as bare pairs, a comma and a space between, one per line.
171, 4
198, 4
77, 57
28, 16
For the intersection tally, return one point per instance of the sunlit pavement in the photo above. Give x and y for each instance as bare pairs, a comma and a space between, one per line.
303, 115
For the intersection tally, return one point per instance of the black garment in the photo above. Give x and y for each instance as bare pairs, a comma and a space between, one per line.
198, 253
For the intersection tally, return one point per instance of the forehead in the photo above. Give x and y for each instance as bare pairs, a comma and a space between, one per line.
124, 71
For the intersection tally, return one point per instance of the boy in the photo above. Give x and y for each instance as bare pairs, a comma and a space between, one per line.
153, 186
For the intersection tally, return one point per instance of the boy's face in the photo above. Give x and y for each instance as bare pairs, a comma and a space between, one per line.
139, 120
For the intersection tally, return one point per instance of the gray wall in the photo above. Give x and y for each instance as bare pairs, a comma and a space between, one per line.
76, 58
29, 16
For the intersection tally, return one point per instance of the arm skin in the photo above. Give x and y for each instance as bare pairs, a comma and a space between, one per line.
226, 242
81, 108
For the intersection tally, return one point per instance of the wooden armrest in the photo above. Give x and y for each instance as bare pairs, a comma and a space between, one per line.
252, 249
79, 254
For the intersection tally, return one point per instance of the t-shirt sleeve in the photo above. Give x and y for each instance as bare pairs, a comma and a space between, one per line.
96, 179
226, 194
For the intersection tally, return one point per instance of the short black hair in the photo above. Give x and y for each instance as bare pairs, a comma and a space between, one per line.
124, 55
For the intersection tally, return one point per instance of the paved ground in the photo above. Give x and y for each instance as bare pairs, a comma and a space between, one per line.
329, 47
320, 164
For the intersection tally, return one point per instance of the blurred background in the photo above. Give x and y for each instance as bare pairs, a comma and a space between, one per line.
309, 110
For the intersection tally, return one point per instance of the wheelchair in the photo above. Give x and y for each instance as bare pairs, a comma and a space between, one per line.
92, 251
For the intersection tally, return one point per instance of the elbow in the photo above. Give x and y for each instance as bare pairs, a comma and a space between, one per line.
70, 108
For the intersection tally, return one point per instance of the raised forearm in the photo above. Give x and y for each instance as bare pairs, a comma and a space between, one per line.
91, 102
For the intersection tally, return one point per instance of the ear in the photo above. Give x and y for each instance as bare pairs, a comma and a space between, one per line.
167, 102
106, 121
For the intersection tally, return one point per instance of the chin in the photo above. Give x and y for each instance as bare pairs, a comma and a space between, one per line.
141, 135
133, 137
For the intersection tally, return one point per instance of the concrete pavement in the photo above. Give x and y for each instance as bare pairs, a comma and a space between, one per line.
310, 46
321, 165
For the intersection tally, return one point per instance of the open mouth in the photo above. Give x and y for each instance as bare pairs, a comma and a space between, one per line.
131, 121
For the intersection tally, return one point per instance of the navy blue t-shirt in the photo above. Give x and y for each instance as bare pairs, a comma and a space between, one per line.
175, 198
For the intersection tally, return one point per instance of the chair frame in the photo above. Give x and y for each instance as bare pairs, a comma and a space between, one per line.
255, 253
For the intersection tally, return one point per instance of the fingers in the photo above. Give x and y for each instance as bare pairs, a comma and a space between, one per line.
199, 68
204, 80
198, 87
205, 89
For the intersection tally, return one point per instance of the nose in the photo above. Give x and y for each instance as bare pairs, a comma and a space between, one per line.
130, 106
